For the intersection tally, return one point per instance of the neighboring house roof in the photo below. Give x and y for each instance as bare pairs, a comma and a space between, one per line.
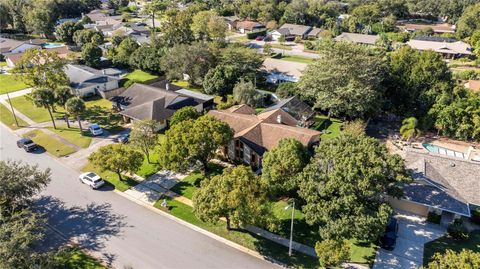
231, 19
284, 70
62, 52
436, 27
358, 38
263, 132
282, 31
315, 32
145, 102
249, 25
295, 107
242, 109
82, 76
458, 47
296, 29
7, 44
473, 85
445, 178
99, 16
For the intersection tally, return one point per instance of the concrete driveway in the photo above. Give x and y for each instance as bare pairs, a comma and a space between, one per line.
413, 233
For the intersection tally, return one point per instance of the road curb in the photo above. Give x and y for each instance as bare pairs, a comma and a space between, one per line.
203, 231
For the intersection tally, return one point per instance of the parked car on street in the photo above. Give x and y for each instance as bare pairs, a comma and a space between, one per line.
27, 144
123, 138
91, 179
95, 129
389, 239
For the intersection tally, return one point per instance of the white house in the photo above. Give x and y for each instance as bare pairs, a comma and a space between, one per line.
87, 81
8, 45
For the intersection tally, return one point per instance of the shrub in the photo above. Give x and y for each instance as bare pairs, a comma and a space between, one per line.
476, 216
434, 217
457, 231
332, 252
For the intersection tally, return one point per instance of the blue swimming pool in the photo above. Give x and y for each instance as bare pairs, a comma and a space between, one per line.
441, 150
52, 45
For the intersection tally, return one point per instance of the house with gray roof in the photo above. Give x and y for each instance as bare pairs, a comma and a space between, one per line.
448, 48
87, 81
357, 38
298, 109
289, 30
153, 102
443, 184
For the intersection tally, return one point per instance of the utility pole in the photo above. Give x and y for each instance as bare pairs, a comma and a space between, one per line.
13, 111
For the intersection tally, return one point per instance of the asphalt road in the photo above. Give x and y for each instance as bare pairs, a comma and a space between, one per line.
117, 230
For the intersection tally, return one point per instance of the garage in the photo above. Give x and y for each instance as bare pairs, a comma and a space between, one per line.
411, 207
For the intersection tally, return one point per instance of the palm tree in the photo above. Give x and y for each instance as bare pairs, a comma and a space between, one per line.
62, 94
44, 97
75, 106
409, 128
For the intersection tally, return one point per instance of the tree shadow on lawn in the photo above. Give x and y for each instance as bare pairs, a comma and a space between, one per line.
89, 226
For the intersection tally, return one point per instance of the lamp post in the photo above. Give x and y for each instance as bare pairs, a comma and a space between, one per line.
291, 227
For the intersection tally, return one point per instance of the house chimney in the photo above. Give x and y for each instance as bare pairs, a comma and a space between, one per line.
279, 119
167, 86
104, 72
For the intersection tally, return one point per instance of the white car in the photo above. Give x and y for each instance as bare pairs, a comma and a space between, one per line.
91, 179
95, 129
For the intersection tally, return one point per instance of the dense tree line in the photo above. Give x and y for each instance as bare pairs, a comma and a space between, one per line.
39, 17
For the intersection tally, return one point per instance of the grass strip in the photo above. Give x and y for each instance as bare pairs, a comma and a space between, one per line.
7, 118
50, 144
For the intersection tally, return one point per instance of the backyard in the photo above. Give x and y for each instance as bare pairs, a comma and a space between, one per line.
138, 76
443, 243
11, 84
330, 128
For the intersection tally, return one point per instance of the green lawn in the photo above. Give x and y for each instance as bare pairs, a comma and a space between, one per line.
246, 239
280, 46
77, 259
443, 243
298, 59
149, 168
330, 128
3, 64
111, 178
37, 114
184, 84
190, 183
72, 135
50, 144
139, 76
10, 83
6, 117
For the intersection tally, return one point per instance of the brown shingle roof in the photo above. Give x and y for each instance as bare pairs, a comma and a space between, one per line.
264, 130
473, 85
62, 52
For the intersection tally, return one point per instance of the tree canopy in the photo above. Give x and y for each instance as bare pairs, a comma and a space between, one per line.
91, 53
236, 195
192, 141
144, 136
281, 166
65, 31
345, 194
346, 80
117, 158
183, 114
452, 260
244, 92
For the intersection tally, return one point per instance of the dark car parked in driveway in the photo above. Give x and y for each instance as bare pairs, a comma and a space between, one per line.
389, 239
27, 144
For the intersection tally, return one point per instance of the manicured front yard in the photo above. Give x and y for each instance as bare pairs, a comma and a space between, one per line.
111, 178
72, 135
50, 144
149, 168
443, 243
11, 83
189, 184
77, 259
37, 114
7, 118
244, 238
298, 59
280, 46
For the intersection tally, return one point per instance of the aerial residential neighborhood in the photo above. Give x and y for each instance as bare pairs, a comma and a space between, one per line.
240, 134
